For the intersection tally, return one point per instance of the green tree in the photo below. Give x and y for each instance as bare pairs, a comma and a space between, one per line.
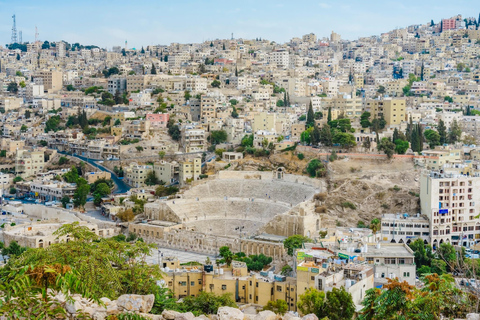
310, 116
401, 146
339, 304
62, 161
17, 179
215, 84
71, 176
12, 87
117, 122
153, 70
329, 115
226, 254
278, 307
161, 154
81, 193
442, 131
455, 132
346, 140
375, 225
315, 168
448, 99
65, 200
206, 303
387, 146
381, 89
52, 124
280, 103
174, 132
247, 141
326, 136
312, 301
365, 119
151, 179
294, 242
217, 137
432, 137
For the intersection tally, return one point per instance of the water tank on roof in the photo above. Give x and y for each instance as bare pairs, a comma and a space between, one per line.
208, 268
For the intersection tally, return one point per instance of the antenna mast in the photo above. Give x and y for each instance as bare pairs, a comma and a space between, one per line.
36, 34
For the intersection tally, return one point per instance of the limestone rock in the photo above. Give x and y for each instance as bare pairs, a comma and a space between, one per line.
473, 316
73, 307
135, 302
310, 316
185, 316
99, 315
228, 313
290, 316
266, 315
169, 314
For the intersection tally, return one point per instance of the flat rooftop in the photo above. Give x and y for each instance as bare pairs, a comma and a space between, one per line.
389, 250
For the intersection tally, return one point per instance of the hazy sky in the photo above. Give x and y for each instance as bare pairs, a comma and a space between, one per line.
145, 22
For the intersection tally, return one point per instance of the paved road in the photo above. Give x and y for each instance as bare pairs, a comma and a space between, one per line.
122, 187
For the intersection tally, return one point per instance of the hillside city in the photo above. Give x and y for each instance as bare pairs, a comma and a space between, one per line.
320, 178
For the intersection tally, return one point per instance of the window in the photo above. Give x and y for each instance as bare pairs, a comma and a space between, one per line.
389, 260
406, 274
192, 283
279, 288
224, 287
312, 278
183, 283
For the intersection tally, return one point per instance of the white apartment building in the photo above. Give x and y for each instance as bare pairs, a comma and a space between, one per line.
193, 140
450, 201
402, 228
279, 58
196, 84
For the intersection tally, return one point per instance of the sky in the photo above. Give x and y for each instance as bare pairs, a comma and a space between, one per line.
150, 22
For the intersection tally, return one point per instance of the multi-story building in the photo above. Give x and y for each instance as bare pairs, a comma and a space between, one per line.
193, 139
166, 171
135, 174
278, 58
389, 261
392, 110
115, 84
450, 201
52, 80
402, 228
157, 120
190, 169
29, 163
5, 182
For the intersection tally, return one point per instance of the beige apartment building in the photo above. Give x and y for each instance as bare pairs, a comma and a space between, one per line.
52, 80
166, 171
136, 174
29, 163
190, 169
393, 110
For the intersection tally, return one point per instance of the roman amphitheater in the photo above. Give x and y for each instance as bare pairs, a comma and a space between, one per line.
248, 211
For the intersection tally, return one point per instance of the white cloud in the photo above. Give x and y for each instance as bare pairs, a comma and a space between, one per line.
324, 5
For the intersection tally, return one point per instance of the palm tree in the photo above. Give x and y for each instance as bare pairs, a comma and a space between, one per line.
375, 225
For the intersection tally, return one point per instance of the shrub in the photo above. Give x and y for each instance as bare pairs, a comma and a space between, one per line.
385, 206
347, 204
322, 196
321, 209
300, 156
333, 156
380, 195
396, 188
